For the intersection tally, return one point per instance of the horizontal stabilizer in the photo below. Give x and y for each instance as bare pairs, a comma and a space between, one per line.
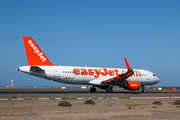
36, 69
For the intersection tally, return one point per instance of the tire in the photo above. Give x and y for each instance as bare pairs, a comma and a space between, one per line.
109, 90
143, 90
93, 89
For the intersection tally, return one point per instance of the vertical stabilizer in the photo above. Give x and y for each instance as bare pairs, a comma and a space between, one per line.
35, 55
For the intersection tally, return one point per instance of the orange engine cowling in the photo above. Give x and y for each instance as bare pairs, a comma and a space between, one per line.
130, 85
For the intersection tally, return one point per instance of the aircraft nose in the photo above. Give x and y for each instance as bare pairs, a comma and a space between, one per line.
157, 80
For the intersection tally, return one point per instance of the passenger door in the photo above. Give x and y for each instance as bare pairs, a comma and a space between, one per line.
56, 72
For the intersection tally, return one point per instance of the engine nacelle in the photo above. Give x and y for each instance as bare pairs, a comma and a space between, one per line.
130, 85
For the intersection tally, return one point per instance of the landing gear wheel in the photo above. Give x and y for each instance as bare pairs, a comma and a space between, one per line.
93, 89
109, 90
143, 89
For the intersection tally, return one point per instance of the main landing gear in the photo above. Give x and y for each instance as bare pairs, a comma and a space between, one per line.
109, 90
93, 89
143, 89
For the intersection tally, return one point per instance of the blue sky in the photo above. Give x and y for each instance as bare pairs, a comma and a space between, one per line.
96, 33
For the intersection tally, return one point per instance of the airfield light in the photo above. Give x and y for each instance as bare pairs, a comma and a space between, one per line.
12, 83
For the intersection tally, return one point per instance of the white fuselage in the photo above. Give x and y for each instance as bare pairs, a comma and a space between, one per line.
88, 75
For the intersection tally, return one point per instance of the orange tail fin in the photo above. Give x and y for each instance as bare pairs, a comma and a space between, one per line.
35, 55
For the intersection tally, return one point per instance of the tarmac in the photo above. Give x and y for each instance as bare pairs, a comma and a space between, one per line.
104, 109
59, 92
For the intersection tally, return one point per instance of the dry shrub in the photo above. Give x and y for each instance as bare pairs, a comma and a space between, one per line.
89, 102
133, 104
177, 106
157, 102
52, 98
176, 102
94, 97
11, 103
129, 107
34, 98
64, 97
154, 107
13, 97
72, 97
109, 104
27, 98
143, 104
64, 103
124, 97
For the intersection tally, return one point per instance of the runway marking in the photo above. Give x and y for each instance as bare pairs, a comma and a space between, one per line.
101, 98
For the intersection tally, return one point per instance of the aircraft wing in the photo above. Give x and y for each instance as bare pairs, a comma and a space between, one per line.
118, 79
121, 77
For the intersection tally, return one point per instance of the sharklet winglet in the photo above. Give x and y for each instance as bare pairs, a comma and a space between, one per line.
127, 64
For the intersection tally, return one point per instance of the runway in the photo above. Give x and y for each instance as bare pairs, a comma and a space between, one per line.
58, 92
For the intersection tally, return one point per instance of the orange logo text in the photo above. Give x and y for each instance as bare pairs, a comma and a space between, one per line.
37, 51
103, 72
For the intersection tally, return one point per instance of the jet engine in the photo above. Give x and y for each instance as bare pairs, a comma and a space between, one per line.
130, 85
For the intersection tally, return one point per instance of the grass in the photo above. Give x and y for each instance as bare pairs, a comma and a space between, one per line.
176, 102
109, 97
52, 98
34, 98
72, 97
157, 102
124, 97
89, 102
104, 98
64, 98
64, 103
134, 104
109, 105
93, 97
27, 98
86, 98
13, 97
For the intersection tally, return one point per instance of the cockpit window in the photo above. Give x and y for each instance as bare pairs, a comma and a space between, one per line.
154, 75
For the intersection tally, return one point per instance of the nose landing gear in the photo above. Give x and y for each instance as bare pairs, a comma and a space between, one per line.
143, 89
93, 89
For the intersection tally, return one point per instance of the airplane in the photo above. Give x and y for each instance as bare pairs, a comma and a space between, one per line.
104, 78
